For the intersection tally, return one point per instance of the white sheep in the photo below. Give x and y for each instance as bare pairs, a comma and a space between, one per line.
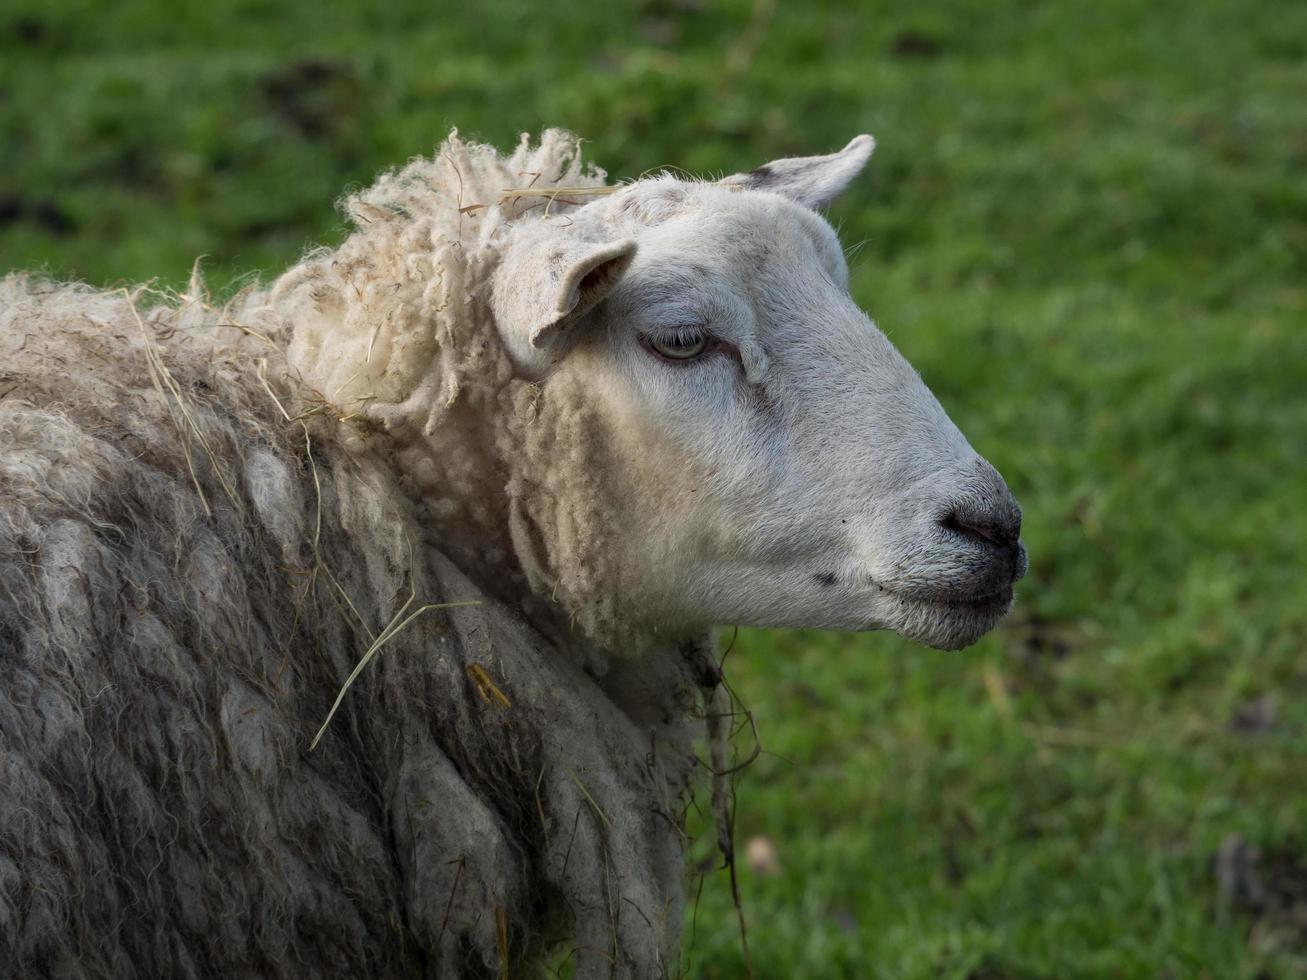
612, 417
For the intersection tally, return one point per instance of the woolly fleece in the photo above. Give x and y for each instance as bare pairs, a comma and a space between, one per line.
207, 516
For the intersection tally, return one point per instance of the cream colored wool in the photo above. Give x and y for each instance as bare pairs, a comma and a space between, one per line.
394, 330
187, 577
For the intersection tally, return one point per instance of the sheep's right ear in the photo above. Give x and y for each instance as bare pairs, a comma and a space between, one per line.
545, 283
810, 181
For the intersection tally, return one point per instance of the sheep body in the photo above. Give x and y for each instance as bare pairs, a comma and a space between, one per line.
198, 542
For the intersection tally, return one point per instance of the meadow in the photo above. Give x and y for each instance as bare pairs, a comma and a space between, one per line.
1086, 225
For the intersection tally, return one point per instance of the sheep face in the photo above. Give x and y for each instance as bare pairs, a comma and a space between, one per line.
781, 464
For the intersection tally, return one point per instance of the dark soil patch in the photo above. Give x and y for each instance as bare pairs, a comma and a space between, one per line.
43, 212
1269, 884
914, 44
29, 30
316, 96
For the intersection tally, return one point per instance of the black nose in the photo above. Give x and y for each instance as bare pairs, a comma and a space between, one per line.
989, 528
985, 512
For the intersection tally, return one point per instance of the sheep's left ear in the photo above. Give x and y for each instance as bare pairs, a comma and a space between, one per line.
545, 283
810, 181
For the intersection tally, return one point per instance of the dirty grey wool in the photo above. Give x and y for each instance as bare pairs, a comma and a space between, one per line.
187, 578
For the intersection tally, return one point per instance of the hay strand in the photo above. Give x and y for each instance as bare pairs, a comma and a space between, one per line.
486, 687
167, 385
392, 629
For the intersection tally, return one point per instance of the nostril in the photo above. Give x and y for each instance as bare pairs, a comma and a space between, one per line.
975, 530
999, 526
983, 513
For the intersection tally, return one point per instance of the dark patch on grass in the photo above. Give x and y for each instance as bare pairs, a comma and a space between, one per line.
911, 43
806, 693
135, 166
1039, 645
671, 7
29, 30
959, 841
1269, 885
264, 229
44, 213
1042, 639
315, 96
1256, 716
991, 968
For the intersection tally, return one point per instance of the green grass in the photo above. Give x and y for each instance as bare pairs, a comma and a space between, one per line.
1085, 224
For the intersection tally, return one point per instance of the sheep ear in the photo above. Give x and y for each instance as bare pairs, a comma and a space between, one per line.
545, 283
810, 181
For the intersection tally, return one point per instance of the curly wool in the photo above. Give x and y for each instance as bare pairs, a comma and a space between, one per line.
394, 328
206, 516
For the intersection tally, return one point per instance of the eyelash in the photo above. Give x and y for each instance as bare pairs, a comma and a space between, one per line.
663, 344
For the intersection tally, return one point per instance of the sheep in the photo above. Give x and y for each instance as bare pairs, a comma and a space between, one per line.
362, 625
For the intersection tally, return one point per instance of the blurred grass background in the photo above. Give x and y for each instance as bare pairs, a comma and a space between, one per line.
1085, 224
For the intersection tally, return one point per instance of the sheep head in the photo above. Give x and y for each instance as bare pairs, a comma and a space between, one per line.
770, 458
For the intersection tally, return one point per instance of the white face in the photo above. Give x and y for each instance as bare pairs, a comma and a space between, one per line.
786, 465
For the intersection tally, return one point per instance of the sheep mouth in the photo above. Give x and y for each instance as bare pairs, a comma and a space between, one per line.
978, 601
985, 605
950, 622
999, 599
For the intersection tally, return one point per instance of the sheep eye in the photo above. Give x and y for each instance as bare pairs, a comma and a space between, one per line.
680, 344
